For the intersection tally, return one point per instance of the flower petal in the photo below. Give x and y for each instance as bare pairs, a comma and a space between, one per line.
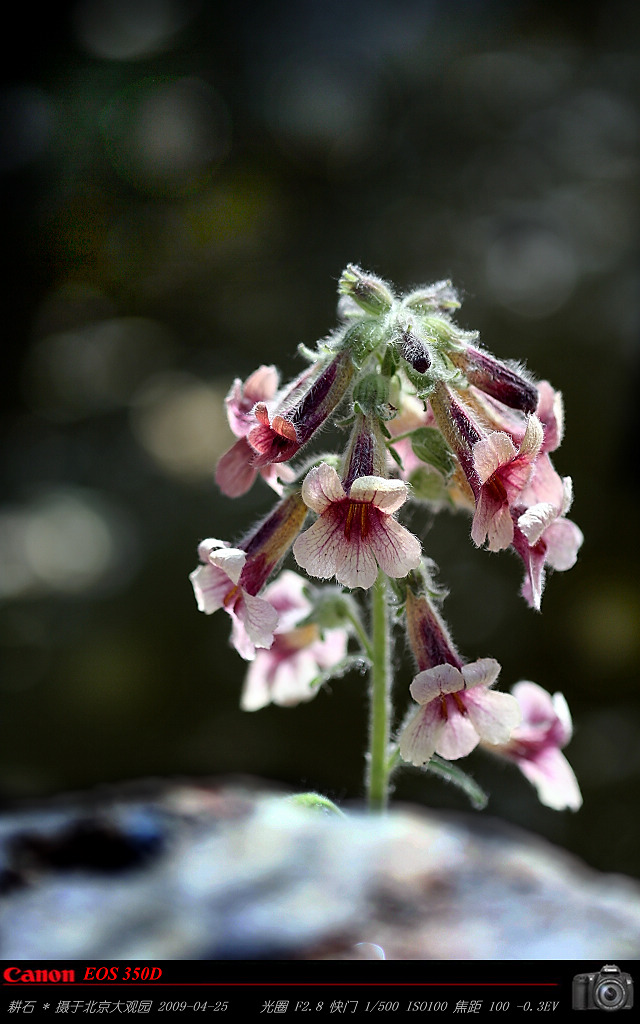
276, 474
563, 539
230, 560
316, 549
494, 715
210, 586
492, 519
286, 595
492, 452
551, 412
554, 779
259, 387
482, 672
322, 487
387, 495
355, 562
234, 473
436, 681
533, 438
536, 519
419, 738
459, 737
260, 619
395, 548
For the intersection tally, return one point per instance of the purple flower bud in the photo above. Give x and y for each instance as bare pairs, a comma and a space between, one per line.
415, 352
496, 379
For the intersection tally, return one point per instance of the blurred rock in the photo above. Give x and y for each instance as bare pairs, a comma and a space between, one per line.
218, 870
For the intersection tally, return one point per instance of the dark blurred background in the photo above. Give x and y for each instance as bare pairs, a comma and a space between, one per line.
182, 184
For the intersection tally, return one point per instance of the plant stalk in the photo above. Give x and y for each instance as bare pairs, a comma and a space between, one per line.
380, 692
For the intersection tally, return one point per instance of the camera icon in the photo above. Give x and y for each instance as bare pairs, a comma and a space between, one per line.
609, 989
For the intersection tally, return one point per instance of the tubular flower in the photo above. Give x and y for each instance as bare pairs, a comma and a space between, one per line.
495, 470
301, 410
457, 710
536, 746
543, 536
497, 379
503, 472
284, 674
235, 472
355, 529
231, 578
457, 706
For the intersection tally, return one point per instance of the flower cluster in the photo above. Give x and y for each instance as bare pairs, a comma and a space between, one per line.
431, 417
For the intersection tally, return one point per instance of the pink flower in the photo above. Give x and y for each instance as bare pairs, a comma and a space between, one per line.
300, 410
503, 472
261, 386
236, 472
543, 536
355, 530
216, 584
536, 746
457, 710
550, 412
232, 577
284, 674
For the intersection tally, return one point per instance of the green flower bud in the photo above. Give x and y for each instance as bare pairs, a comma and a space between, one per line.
371, 293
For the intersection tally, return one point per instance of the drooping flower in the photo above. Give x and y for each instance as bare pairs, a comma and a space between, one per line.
232, 577
284, 673
543, 536
282, 430
457, 710
355, 531
495, 470
536, 746
503, 472
236, 472
457, 707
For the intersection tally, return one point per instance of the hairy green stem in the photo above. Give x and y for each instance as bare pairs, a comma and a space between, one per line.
360, 632
379, 715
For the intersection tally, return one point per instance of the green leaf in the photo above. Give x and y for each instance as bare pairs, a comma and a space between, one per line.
427, 485
430, 446
357, 661
451, 773
396, 458
315, 802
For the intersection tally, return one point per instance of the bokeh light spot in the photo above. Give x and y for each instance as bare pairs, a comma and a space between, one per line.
531, 270
67, 541
121, 30
167, 136
180, 422
95, 367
